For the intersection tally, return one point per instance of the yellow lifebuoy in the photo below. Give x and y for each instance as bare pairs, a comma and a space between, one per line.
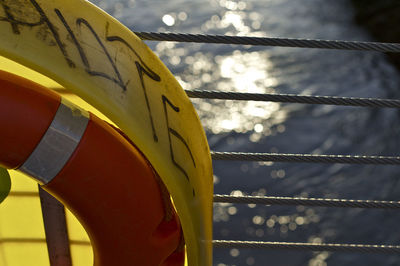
95, 170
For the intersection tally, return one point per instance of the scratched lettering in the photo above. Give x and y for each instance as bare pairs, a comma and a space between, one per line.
173, 132
10, 18
13, 14
43, 21
85, 60
143, 70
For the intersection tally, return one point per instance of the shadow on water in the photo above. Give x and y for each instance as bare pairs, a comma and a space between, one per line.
286, 128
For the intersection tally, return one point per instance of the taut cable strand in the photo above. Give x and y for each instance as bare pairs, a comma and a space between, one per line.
316, 202
265, 41
307, 246
304, 158
292, 98
275, 157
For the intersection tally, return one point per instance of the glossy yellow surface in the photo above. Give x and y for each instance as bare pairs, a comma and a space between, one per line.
97, 58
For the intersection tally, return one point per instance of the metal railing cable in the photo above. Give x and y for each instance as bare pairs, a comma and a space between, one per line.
304, 158
307, 246
315, 202
293, 98
265, 41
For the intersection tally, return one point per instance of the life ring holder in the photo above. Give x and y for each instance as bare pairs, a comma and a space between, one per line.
98, 59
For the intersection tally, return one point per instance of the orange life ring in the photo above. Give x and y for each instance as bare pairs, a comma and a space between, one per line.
94, 170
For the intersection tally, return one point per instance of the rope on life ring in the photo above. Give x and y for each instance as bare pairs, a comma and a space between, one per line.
95, 170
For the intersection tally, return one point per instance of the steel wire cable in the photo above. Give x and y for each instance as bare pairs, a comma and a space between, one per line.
316, 202
265, 41
288, 98
292, 98
304, 158
307, 246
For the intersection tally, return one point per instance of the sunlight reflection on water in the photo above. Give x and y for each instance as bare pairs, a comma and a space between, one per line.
274, 127
239, 71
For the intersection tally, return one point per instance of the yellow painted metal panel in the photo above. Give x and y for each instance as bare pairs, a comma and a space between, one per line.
22, 237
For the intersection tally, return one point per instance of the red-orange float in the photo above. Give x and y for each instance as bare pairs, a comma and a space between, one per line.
94, 170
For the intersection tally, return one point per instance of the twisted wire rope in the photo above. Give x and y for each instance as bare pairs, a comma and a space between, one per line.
292, 98
288, 98
316, 202
266, 41
305, 158
388, 249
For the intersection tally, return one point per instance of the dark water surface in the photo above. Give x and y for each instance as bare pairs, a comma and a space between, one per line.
285, 128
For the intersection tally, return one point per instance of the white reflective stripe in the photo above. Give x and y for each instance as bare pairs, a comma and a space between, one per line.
58, 143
